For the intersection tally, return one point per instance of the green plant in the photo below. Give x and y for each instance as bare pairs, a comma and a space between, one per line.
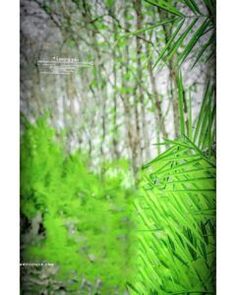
177, 222
80, 222
102, 235
176, 212
193, 20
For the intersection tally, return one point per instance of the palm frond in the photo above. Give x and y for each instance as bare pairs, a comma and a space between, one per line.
176, 217
166, 5
181, 103
204, 127
176, 211
193, 21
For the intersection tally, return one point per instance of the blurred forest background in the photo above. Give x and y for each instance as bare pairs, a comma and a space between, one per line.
123, 105
146, 78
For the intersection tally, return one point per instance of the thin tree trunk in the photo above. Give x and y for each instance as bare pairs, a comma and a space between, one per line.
114, 121
172, 75
139, 94
157, 103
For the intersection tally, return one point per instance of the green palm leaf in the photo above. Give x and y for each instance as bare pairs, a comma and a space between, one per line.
165, 5
192, 32
194, 39
177, 216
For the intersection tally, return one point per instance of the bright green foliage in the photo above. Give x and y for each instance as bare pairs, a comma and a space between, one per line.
104, 236
87, 220
176, 215
176, 211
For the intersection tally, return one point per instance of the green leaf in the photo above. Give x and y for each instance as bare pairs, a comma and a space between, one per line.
109, 3
204, 48
205, 121
180, 40
165, 5
196, 36
192, 5
189, 107
210, 5
168, 45
177, 204
132, 287
181, 103
160, 23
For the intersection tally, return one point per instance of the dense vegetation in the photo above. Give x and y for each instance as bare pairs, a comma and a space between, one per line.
176, 221
118, 159
80, 222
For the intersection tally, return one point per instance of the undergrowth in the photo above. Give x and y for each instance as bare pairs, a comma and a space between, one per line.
73, 218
